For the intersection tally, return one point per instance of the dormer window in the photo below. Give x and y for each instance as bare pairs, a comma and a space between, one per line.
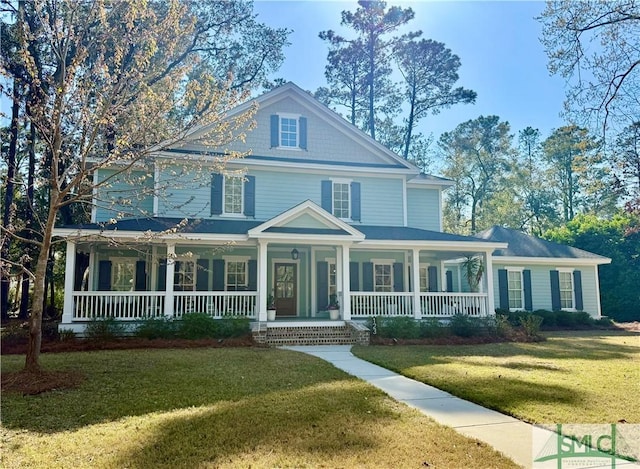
288, 131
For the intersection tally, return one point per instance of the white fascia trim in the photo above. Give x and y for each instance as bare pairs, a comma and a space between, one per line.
434, 245
429, 184
550, 260
314, 239
137, 236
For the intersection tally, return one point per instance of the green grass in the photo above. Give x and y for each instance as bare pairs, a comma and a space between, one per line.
573, 377
220, 408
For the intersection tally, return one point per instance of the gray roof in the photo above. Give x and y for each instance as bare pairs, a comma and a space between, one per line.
404, 233
523, 245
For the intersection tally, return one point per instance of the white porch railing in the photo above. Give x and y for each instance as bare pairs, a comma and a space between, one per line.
366, 304
141, 305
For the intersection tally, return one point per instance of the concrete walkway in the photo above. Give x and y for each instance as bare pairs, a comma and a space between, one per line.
506, 434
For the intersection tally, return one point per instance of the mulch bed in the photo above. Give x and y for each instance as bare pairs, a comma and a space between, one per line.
36, 383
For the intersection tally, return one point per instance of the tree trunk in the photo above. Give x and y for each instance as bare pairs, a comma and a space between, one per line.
372, 69
409, 132
29, 234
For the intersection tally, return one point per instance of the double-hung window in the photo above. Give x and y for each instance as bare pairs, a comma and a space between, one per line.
566, 289
515, 289
341, 199
123, 274
236, 277
184, 277
288, 132
424, 277
233, 195
383, 277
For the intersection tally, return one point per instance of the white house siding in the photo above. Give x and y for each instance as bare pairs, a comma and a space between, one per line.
138, 203
541, 285
423, 209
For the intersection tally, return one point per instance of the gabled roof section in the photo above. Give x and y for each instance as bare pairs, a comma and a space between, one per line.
306, 218
429, 180
523, 245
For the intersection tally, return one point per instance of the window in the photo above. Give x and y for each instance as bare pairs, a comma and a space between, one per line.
236, 275
341, 199
288, 132
566, 289
333, 284
424, 278
123, 274
382, 277
233, 186
184, 277
515, 290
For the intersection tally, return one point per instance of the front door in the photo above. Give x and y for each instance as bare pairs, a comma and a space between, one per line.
286, 289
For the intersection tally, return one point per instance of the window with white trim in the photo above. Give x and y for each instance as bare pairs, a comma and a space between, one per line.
233, 195
341, 199
236, 276
566, 289
123, 274
184, 276
515, 289
424, 277
383, 277
288, 132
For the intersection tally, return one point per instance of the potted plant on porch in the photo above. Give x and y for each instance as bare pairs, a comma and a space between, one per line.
334, 307
271, 308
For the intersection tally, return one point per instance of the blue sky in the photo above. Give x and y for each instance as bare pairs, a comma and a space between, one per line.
497, 42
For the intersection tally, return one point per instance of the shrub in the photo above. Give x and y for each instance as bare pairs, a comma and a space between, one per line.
104, 329
67, 335
396, 328
531, 326
196, 326
582, 318
463, 326
156, 328
604, 321
433, 327
566, 319
232, 327
503, 326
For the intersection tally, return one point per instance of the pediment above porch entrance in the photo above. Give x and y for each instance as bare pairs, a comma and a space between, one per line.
306, 221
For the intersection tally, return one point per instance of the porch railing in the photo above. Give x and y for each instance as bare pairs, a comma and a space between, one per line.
141, 305
432, 304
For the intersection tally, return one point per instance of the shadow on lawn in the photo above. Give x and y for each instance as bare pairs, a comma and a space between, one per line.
294, 425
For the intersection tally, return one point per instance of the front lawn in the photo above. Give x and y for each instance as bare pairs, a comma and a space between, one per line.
246, 407
573, 377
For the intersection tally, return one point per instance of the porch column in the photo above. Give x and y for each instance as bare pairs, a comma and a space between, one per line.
263, 290
346, 283
488, 272
171, 268
415, 277
69, 280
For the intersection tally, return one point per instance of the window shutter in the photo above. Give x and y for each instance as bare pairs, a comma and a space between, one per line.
162, 275
322, 284
217, 182
325, 197
432, 272
577, 289
275, 131
398, 277
449, 275
202, 275
503, 288
303, 132
354, 276
141, 276
555, 290
355, 201
367, 276
528, 299
218, 275
252, 265
104, 275
250, 196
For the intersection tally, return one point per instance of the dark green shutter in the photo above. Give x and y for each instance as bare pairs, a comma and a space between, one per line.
355, 201
250, 196
432, 272
449, 275
577, 289
303, 132
354, 276
398, 277
162, 275
503, 288
367, 276
104, 275
217, 183
326, 196
218, 275
202, 275
528, 299
275, 131
252, 265
141, 276
322, 284
555, 290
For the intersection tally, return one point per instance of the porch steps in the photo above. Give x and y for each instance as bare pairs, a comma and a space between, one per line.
310, 333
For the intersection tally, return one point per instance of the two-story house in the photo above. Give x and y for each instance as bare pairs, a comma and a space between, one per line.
317, 213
